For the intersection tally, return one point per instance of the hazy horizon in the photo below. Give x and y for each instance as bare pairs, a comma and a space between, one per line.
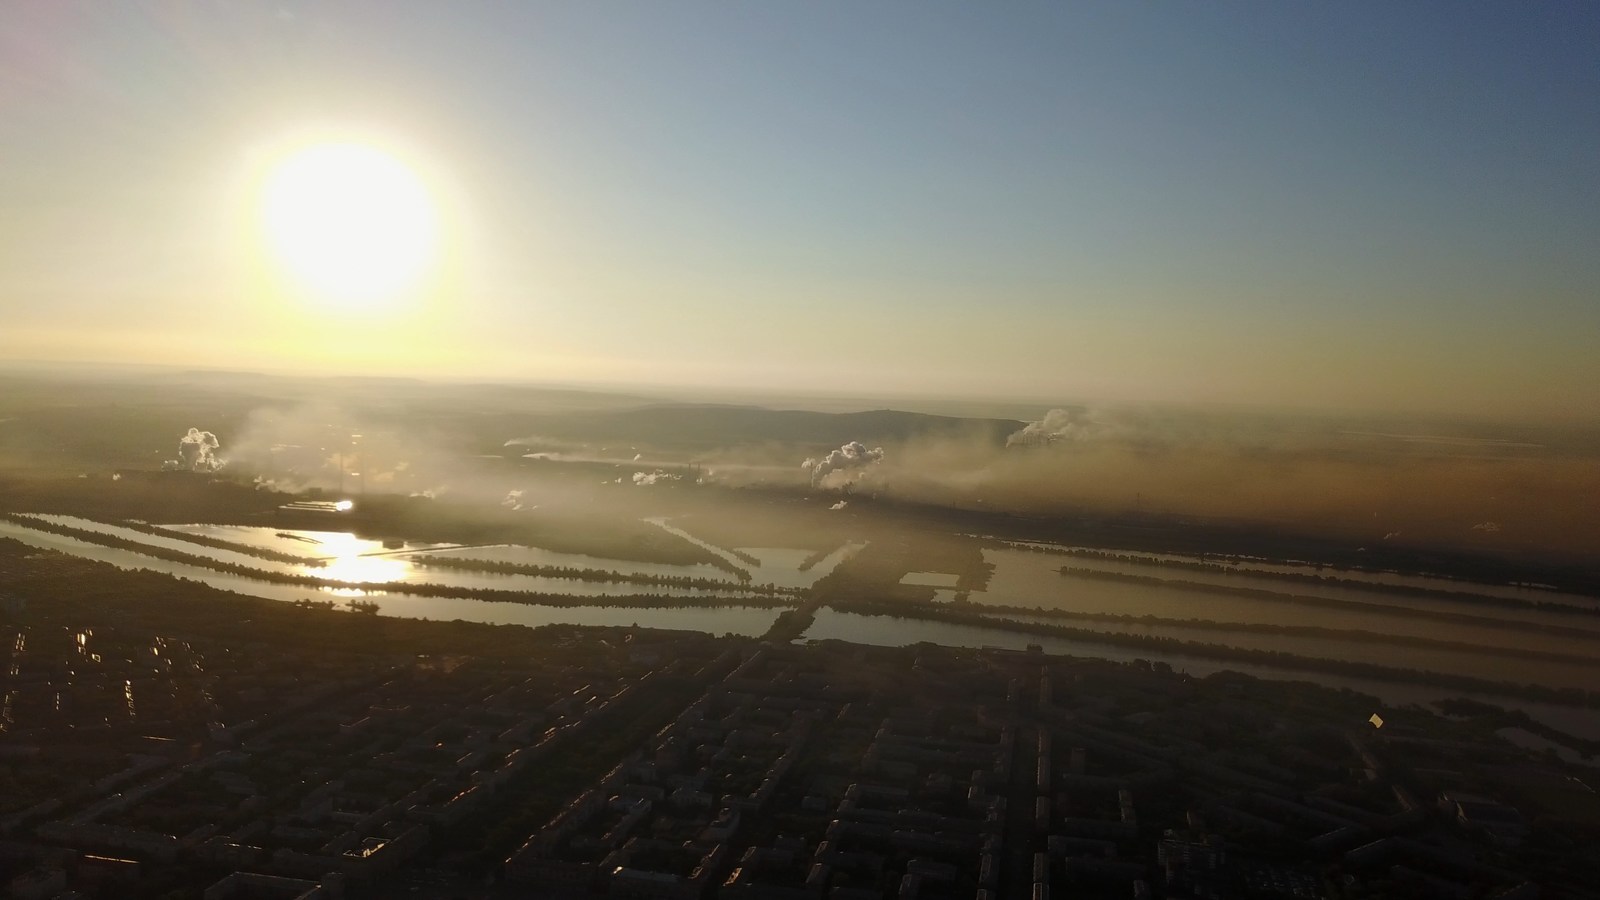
932, 402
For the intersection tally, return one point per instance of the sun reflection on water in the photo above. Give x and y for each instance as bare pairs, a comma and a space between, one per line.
346, 560
365, 569
343, 543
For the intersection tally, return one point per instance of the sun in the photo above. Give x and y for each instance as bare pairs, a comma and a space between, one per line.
349, 224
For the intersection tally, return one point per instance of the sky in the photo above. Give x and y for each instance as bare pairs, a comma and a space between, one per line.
1352, 206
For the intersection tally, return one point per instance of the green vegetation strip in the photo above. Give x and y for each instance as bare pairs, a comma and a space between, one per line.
219, 544
386, 587
580, 574
810, 562
1273, 658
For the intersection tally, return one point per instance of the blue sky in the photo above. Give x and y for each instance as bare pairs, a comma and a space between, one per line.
1354, 205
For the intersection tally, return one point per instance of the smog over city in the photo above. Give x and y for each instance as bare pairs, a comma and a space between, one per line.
799, 451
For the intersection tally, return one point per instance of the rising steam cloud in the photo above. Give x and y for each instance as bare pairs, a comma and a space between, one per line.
853, 455
197, 452
1058, 425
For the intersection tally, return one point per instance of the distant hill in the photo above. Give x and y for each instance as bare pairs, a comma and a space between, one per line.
715, 425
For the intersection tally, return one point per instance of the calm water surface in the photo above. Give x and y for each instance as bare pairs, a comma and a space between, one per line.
368, 563
744, 621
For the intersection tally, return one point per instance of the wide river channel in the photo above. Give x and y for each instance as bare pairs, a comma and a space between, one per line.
1521, 646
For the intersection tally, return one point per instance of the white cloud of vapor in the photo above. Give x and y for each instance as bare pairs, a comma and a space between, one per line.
197, 452
853, 455
1058, 425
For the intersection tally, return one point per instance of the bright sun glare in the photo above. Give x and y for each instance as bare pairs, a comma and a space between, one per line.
350, 224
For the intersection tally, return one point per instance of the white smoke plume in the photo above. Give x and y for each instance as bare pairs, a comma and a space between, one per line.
645, 479
853, 455
513, 500
197, 452
1056, 426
